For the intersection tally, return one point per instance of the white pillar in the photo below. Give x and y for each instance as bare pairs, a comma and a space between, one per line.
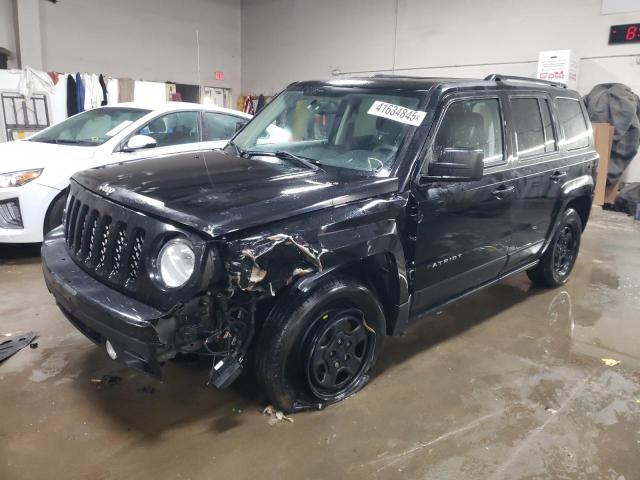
29, 36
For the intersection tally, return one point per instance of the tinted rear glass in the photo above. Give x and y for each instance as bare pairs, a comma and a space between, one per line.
573, 124
529, 128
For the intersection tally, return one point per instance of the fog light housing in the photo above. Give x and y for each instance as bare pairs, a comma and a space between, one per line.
110, 350
10, 215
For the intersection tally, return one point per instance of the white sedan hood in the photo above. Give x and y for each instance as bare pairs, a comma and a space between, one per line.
25, 155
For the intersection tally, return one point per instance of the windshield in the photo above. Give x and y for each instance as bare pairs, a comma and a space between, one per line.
90, 128
356, 128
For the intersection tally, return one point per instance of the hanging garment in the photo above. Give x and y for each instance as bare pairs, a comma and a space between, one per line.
261, 103
248, 105
59, 100
125, 88
55, 77
113, 91
80, 90
32, 80
72, 96
103, 87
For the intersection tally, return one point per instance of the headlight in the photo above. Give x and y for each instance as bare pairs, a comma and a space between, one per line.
17, 179
176, 262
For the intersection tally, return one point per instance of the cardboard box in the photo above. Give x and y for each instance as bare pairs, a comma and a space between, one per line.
562, 66
603, 139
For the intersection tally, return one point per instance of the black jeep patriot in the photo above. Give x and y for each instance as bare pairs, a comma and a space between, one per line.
342, 212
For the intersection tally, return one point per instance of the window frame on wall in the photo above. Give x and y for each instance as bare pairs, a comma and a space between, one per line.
541, 99
470, 96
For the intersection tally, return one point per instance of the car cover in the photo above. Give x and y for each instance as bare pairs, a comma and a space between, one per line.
628, 199
617, 105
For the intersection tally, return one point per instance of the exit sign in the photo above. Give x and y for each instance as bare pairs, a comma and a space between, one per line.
219, 75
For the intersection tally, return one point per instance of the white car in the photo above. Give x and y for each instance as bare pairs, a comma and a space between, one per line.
34, 173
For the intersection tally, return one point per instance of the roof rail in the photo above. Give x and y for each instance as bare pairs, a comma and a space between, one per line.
496, 77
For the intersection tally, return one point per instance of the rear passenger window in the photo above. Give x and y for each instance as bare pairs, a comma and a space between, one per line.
530, 131
475, 124
574, 127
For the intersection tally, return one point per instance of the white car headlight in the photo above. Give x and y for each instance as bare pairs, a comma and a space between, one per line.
17, 179
176, 262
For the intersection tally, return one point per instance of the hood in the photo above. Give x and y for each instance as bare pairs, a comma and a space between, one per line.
25, 155
219, 193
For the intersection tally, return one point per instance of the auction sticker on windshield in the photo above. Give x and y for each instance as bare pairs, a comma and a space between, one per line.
397, 112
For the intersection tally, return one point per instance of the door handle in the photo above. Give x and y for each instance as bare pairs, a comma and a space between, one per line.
557, 175
503, 191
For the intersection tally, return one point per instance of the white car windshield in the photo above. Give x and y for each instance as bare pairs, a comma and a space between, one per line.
90, 128
356, 128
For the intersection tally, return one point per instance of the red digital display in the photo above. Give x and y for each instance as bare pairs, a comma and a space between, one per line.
624, 34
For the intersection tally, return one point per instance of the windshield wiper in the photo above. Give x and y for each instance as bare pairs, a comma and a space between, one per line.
55, 141
284, 155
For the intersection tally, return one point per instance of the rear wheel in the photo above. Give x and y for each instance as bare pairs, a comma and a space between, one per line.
556, 264
55, 213
319, 348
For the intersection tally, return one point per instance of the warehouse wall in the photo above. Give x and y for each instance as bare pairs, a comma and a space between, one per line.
142, 39
7, 32
287, 40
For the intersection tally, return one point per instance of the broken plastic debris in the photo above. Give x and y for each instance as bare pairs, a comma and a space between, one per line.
551, 410
10, 344
610, 362
106, 380
276, 415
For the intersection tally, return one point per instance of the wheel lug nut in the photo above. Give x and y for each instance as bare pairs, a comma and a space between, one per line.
336, 364
332, 353
339, 341
348, 344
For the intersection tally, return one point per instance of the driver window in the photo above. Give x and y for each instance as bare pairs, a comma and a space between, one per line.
473, 124
173, 129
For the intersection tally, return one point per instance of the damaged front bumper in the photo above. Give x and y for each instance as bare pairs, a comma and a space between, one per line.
140, 335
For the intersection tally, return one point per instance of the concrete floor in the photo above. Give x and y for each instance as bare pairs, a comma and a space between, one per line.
508, 384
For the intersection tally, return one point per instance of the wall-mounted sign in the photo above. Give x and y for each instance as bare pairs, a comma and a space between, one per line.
561, 66
219, 75
629, 33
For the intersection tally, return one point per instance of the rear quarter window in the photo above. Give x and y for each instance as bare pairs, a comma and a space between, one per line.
573, 125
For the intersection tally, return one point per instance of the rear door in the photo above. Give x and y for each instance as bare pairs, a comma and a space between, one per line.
463, 228
540, 173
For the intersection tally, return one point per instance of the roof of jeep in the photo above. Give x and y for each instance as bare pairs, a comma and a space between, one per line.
424, 83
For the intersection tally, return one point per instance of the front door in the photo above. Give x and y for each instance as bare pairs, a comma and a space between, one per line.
463, 228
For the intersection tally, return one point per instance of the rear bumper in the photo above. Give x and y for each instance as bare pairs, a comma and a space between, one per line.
140, 334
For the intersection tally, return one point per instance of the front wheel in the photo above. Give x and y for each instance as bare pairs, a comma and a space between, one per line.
319, 348
55, 212
557, 262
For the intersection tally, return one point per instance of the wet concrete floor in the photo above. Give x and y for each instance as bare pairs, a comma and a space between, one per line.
507, 384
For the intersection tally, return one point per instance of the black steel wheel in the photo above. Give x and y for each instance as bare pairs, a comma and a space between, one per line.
565, 250
338, 352
558, 260
319, 347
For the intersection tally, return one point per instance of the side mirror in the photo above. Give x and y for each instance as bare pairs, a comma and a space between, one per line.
139, 142
457, 165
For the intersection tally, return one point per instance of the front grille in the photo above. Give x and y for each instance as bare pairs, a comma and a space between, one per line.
110, 248
10, 216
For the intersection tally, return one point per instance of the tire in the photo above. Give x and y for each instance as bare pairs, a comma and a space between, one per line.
55, 212
306, 337
557, 262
